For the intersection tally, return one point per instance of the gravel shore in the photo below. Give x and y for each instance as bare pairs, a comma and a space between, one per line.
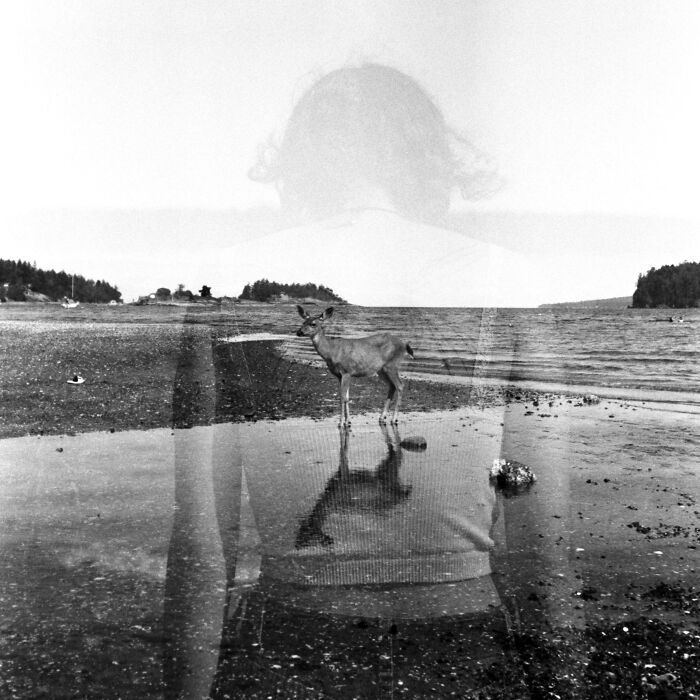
633, 509
136, 377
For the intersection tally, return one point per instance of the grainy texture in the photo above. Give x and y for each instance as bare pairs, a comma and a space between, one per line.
71, 629
255, 382
128, 370
140, 377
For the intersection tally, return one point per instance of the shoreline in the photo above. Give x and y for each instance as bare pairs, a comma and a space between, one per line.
134, 380
129, 356
97, 507
671, 400
132, 383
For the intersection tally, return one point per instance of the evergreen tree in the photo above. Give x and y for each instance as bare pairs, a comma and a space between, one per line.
182, 294
673, 286
22, 276
264, 290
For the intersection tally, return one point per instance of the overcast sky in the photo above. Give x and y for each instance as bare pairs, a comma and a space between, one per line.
116, 111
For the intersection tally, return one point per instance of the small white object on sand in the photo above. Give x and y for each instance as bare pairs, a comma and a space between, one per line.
77, 379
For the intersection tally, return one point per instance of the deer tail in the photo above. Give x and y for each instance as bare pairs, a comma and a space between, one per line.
409, 349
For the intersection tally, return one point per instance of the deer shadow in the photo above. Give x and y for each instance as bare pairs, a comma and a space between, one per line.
349, 491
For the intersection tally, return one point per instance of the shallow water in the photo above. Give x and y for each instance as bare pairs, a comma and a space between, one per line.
118, 549
628, 352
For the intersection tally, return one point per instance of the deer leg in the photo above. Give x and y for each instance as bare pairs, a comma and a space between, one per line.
345, 400
383, 374
396, 389
399, 393
342, 408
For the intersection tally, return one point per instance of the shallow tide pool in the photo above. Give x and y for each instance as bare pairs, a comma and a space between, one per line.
130, 559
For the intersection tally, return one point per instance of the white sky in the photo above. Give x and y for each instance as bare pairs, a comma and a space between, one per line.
588, 107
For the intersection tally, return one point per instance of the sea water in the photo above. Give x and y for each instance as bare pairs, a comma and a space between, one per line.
627, 353
87, 522
622, 353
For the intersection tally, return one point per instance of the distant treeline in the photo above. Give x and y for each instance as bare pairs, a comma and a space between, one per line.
672, 286
18, 279
264, 290
610, 303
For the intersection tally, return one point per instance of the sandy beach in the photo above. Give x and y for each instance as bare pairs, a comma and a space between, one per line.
87, 510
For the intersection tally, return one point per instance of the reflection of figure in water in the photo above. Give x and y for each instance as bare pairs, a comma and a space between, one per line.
348, 597
379, 354
363, 564
352, 491
377, 565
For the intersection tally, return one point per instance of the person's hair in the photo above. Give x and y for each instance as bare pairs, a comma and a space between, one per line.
369, 124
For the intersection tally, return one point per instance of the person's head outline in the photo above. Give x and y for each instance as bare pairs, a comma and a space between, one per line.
363, 127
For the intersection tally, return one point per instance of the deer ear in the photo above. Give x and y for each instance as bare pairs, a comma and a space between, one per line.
328, 312
301, 312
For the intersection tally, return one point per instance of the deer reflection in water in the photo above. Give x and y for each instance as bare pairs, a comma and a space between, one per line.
357, 490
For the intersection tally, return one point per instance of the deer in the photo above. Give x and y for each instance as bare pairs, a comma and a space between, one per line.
380, 354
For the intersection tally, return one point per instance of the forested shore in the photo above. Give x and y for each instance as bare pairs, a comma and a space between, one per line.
672, 286
20, 281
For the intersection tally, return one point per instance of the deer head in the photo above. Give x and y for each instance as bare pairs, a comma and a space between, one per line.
312, 324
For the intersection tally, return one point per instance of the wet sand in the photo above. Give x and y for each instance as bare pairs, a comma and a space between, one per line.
131, 379
87, 509
87, 521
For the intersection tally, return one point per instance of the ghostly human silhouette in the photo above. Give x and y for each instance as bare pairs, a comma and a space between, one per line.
366, 170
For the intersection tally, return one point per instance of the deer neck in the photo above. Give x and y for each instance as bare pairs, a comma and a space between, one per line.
322, 344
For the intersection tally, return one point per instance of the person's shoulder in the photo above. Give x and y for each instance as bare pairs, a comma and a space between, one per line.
297, 234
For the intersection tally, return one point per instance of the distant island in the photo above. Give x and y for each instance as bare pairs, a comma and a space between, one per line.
264, 290
22, 281
611, 303
671, 286
668, 287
